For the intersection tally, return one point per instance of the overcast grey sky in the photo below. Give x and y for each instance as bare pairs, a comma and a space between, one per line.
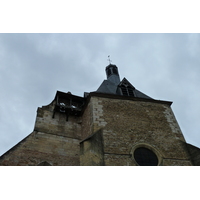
34, 66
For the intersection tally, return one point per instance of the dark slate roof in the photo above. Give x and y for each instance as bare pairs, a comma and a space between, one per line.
109, 87
141, 95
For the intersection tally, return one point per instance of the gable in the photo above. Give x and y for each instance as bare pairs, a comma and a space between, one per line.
127, 89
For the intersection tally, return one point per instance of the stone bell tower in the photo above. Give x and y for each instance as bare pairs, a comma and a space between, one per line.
128, 127
115, 125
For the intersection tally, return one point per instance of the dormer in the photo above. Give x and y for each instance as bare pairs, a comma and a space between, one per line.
126, 88
113, 85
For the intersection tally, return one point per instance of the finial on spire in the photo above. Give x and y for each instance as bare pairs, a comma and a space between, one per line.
109, 59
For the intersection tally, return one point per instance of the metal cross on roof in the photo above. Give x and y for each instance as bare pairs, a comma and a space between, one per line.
109, 60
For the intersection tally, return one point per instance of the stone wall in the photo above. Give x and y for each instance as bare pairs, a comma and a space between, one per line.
107, 133
53, 140
57, 125
39, 147
91, 150
128, 123
87, 121
194, 153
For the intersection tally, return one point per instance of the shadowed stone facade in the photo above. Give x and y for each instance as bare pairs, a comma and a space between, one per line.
104, 128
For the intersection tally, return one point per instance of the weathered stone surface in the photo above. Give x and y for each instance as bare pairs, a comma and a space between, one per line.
127, 123
194, 153
91, 150
53, 140
39, 147
57, 125
107, 133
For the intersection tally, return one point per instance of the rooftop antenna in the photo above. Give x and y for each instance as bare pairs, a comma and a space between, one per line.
109, 59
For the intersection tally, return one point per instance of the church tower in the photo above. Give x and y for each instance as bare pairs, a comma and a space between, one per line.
131, 128
116, 125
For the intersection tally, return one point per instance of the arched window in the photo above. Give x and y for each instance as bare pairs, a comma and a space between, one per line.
44, 163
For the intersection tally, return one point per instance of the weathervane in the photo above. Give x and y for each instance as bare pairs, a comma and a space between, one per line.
109, 60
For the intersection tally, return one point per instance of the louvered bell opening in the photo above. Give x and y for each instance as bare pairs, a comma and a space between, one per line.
130, 91
115, 70
109, 72
124, 91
